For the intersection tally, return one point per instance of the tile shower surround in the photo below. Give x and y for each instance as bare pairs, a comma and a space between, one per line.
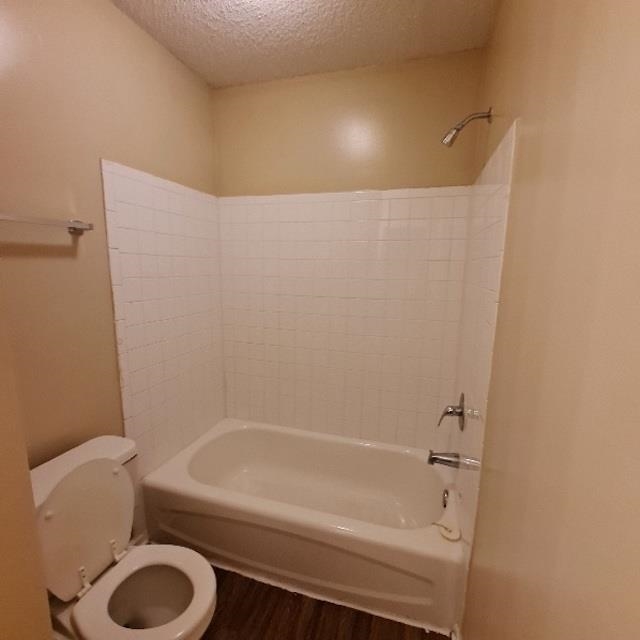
339, 312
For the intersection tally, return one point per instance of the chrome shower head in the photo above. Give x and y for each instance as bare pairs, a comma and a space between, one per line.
451, 135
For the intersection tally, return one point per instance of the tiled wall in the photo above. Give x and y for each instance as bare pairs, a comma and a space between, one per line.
164, 256
485, 246
341, 311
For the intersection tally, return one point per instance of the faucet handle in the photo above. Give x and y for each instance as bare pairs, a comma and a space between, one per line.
455, 410
451, 410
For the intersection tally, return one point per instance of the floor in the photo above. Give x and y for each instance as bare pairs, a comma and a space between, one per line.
250, 610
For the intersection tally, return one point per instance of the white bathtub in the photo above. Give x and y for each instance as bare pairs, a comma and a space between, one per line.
339, 519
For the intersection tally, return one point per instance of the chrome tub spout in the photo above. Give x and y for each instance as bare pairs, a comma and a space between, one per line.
454, 460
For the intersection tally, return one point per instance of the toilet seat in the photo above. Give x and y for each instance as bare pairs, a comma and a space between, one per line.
92, 619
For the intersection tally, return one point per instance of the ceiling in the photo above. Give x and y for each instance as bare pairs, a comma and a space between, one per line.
231, 42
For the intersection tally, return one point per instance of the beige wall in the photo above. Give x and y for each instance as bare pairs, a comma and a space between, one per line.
557, 552
372, 128
80, 81
24, 614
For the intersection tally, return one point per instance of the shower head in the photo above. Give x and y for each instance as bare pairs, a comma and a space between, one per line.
451, 135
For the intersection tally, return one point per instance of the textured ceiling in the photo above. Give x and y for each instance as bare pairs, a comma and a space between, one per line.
231, 42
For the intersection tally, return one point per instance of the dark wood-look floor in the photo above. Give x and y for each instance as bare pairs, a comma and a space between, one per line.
250, 610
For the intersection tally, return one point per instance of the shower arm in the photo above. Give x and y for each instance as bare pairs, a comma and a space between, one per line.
479, 115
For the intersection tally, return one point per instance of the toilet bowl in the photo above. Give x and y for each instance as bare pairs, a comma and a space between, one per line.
103, 588
159, 592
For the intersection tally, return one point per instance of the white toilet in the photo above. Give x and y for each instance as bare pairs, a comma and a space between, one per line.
102, 588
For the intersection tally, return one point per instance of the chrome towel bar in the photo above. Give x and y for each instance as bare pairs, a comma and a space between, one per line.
74, 227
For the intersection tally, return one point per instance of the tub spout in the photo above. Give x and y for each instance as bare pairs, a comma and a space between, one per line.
454, 460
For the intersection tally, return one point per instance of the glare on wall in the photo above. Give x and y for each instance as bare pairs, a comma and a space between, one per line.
8, 44
357, 137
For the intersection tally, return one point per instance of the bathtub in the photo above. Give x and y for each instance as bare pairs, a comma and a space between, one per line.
339, 519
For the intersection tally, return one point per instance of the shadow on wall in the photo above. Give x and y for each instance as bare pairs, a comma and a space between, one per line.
31, 244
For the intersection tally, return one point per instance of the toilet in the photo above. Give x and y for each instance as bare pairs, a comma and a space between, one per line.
102, 587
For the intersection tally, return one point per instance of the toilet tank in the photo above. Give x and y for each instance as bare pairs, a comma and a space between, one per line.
84, 512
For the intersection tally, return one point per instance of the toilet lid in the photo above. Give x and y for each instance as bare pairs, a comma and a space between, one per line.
85, 519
